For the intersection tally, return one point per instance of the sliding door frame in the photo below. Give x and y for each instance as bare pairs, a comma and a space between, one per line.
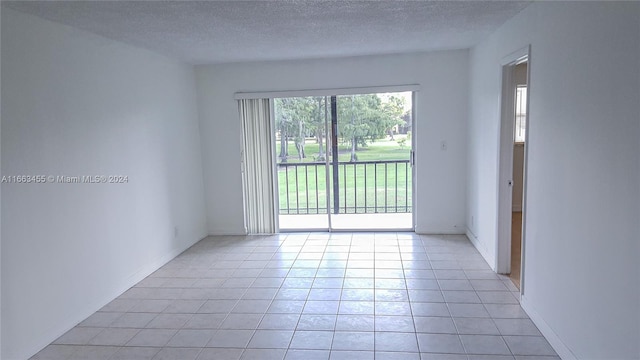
327, 93
274, 167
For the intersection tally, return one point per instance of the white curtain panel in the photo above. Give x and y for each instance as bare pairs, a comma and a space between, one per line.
257, 166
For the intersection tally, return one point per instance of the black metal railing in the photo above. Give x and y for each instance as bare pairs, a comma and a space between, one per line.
362, 187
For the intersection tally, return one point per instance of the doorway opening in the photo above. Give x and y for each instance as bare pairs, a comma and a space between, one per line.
520, 117
513, 167
344, 162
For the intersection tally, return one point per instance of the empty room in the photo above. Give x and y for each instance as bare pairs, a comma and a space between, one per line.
435, 180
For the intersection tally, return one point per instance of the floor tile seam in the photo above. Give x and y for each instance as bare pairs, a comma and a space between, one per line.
411, 312
138, 330
305, 300
450, 316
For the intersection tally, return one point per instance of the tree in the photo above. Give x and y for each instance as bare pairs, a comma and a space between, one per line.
406, 124
282, 126
293, 116
365, 118
318, 125
361, 119
393, 110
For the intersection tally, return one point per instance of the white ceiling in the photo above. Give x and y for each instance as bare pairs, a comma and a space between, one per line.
202, 32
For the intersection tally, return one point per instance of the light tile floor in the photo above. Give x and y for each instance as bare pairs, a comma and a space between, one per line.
314, 296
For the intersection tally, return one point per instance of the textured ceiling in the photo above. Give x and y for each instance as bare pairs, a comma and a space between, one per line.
201, 32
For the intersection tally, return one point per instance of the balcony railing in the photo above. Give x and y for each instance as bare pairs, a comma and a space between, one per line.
362, 187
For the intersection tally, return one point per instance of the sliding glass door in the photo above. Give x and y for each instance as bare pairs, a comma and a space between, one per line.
344, 162
301, 156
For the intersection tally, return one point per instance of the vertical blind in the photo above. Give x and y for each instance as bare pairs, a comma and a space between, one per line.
257, 166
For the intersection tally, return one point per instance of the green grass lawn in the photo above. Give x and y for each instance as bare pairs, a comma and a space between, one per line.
383, 149
382, 189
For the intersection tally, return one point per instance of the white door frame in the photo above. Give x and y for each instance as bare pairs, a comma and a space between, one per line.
505, 162
412, 161
274, 170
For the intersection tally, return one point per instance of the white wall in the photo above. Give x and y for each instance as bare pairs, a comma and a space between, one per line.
78, 104
581, 239
441, 115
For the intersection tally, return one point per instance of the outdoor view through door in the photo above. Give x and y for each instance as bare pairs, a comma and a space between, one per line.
344, 162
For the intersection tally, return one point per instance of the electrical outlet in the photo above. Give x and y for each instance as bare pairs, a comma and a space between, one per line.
443, 145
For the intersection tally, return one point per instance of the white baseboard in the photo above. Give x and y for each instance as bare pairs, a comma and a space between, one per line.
227, 232
563, 351
88, 310
481, 249
420, 231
